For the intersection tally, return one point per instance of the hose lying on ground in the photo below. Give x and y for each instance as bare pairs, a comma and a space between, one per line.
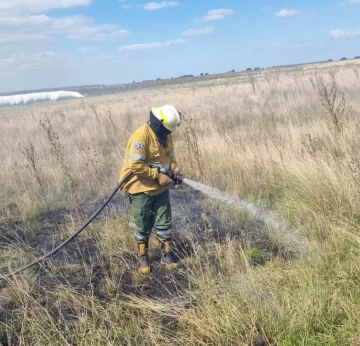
74, 235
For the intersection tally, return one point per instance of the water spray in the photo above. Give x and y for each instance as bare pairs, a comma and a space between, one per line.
278, 228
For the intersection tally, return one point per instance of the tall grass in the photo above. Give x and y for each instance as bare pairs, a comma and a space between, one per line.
287, 141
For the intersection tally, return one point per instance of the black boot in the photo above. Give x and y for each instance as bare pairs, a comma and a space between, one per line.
167, 256
144, 258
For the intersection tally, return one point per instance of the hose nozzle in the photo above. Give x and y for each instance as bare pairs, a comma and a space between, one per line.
175, 177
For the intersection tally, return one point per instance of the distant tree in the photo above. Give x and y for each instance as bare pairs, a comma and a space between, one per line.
232, 71
206, 74
134, 81
256, 68
357, 57
249, 69
201, 74
343, 59
330, 60
158, 79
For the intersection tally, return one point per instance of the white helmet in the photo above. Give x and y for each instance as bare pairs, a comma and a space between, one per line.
168, 115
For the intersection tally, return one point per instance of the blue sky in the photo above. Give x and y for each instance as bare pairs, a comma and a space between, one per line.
52, 43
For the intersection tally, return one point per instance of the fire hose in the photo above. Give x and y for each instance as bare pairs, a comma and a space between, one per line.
177, 179
73, 236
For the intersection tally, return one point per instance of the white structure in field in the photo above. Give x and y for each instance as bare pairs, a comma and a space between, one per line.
25, 98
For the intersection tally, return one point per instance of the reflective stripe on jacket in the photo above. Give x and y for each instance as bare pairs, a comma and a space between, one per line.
144, 150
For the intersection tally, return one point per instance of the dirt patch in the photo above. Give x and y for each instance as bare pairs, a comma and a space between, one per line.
82, 268
192, 225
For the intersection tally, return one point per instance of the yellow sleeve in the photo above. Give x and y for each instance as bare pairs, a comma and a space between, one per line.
137, 150
173, 162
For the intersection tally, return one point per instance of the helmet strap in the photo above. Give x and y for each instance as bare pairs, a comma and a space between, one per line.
160, 130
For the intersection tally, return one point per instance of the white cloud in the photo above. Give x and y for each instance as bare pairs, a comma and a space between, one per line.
201, 31
287, 13
97, 33
216, 15
344, 33
152, 6
88, 50
147, 46
104, 58
16, 21
23, 61
350, 2
17, 24
27, 33
40, 5
29, 62
17, 38
42, 26
111, 36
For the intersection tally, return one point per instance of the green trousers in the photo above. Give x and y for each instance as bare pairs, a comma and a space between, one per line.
152, 212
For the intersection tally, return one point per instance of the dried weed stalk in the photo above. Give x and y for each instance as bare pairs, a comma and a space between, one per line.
356, 72
252, 81
33, 165
312, 81
57, 150
108, 114
310, 145
92, 163
192, 146
334, 103
332, 74
95, 111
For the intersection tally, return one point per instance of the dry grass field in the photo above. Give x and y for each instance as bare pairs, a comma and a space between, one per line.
285, 140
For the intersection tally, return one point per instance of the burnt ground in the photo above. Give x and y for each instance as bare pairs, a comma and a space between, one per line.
194, 225
82, 267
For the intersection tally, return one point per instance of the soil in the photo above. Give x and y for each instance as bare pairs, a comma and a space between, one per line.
82, 267
192, 224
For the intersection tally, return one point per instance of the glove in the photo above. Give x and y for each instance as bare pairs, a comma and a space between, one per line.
164, 180
178, 177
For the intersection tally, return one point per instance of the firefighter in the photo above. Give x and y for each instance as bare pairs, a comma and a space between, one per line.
149, 148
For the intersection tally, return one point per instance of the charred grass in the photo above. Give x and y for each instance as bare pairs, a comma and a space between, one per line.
284, 141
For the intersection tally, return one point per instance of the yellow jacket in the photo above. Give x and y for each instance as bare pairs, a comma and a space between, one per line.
143, 149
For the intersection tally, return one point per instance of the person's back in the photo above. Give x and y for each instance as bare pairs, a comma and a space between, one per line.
149, 150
